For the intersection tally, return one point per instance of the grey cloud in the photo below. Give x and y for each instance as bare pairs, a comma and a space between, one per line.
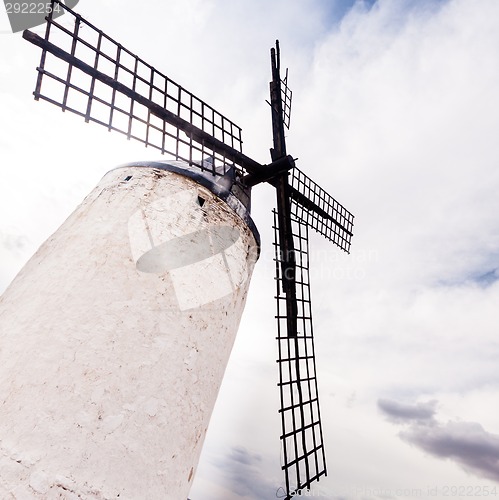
241, 455
486, 279
245, 474
401, 412
466, 443
13, 243
482, 277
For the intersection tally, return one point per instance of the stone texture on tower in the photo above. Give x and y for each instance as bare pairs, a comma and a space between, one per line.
115, 336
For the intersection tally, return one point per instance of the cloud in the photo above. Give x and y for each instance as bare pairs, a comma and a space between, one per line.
399, 108
245, 474
12, 242
486, 278
465, 443
14, 247
401, 412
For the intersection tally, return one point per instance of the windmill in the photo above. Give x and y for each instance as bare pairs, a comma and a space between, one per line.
86, 72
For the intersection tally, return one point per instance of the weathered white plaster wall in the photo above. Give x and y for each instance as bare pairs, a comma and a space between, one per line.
114, 340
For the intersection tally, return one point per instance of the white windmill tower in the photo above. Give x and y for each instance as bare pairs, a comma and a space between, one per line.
115, 335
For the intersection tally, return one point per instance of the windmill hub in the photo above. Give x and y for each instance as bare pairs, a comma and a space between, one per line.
271, 172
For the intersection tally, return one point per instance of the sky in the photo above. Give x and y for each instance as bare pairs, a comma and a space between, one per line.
395, 113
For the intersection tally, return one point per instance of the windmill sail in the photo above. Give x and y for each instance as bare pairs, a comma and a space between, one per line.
303, 459
86, 72
301, 204
320, 211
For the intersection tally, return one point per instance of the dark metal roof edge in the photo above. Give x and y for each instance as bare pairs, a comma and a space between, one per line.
179, 167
